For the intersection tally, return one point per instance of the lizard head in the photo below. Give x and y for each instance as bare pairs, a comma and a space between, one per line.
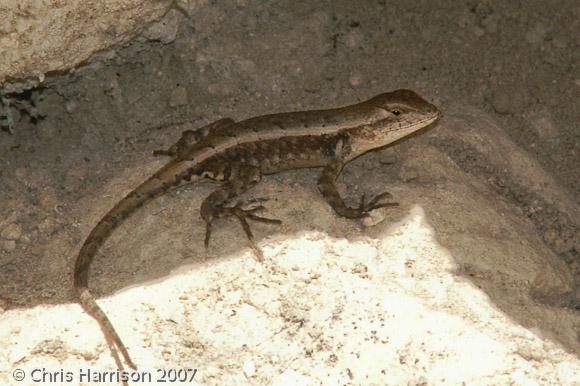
402, 103
393, 115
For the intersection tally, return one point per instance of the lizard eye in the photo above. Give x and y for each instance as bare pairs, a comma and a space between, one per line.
396, 112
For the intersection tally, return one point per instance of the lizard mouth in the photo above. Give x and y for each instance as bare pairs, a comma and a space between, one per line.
423, 122
436, 117
431, 118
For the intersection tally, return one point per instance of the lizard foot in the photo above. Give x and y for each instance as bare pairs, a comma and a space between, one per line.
375, 203
243, 211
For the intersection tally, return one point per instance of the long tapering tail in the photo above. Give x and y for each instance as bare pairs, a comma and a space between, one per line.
162, 181
114, 342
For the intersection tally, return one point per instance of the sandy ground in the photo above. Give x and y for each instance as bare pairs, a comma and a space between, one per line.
473, 280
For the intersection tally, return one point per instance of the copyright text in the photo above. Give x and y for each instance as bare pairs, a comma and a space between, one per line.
89, 375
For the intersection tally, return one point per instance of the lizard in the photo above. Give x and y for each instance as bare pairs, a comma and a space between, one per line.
238, 154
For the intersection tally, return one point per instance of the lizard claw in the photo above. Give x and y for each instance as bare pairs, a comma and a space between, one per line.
375, 203
243, 215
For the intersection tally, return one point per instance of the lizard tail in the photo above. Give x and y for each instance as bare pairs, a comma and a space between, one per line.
93, 242
89, 304
159, 183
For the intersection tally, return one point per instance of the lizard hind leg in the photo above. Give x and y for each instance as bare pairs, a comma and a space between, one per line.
215, 206
191, 137
243, 215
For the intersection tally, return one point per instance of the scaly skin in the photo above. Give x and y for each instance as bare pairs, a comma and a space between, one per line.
239, 153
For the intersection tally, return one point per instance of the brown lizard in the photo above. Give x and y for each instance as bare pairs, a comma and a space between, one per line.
237, 154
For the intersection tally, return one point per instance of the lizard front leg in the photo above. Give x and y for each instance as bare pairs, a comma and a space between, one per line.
191, 137
327, 186
242, 178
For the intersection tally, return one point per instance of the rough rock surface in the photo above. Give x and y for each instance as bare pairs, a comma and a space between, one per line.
40, 37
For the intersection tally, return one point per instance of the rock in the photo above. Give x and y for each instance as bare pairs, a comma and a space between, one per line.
11, 232
356, 80
374, 217
48, 36
508, 100
354, 39
9, 245
71, 106
165, 30
478, 31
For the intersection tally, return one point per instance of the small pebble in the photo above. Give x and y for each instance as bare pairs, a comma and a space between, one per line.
374, 217
11, 232
356, 80
9, 245
508, 100
353, 39
166, 29
478, 31
71, 106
